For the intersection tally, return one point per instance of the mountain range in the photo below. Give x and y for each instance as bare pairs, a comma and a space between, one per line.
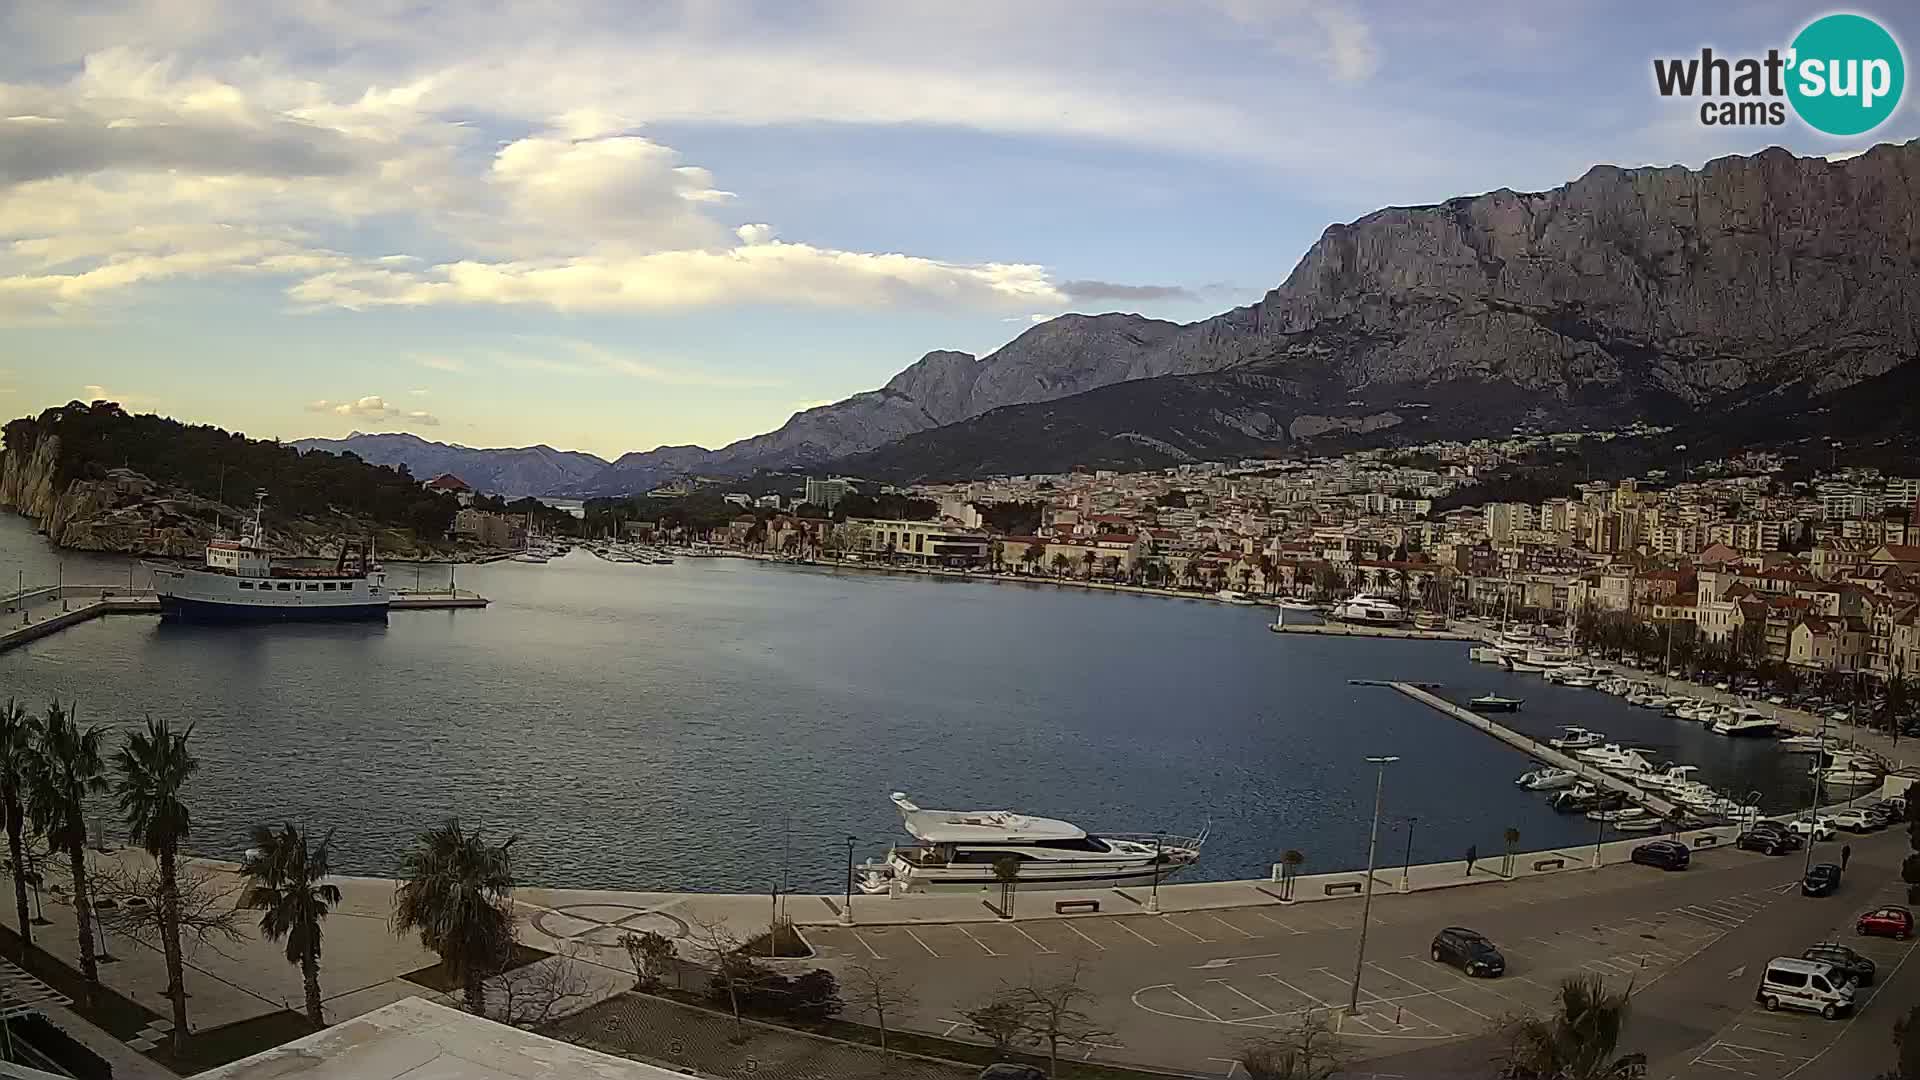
1754, 286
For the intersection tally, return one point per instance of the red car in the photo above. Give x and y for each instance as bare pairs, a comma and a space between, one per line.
1893, 922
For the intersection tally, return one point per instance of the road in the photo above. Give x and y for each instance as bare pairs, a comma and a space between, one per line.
1183, 991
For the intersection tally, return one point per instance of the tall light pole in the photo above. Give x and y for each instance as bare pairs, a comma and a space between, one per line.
1406, 865
1153, 899
1813, 808
846, 913
1366, 905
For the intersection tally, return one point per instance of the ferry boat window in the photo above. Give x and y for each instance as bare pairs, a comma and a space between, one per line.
284, 586
328, 586
313, 586
246, 584
1087, 843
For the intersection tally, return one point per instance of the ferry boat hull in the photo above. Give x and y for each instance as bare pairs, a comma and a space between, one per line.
185, 609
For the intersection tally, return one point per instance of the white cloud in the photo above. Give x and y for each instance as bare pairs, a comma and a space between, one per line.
452, 364
419, 391
773, 272
373, 407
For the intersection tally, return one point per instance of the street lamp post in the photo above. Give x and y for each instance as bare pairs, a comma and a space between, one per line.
1813, 808
846, 913
1599, 834
1366, 905
1153, 898
1406, 865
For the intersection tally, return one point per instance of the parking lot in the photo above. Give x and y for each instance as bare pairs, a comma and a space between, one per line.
1184, 990
1777, 1045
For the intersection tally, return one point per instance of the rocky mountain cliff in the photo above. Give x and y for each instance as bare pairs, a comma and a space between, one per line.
1762, 282
1662, 293
513, 472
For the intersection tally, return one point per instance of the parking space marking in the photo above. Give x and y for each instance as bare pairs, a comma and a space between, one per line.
1230, 926
1170, 922
1030, 937
1209, 1012
922, 944
1376, 999
1296, 990
1242, 995
1084, 937
868, 945
969, 935
1277, 922
1122, 925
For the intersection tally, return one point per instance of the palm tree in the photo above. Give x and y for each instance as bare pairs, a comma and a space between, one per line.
1060, 563
1087, 559
16, 730
63, 768
458, 894
288, 886
154, 765
1577, 1041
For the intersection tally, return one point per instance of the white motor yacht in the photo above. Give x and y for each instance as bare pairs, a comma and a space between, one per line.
1547, 779
1750, 722
1292, 604
1672, 778
1486, 654
1361, 608
1628, 765
958, 849
1601, 755
1231, 597
1577, 738
1806, 744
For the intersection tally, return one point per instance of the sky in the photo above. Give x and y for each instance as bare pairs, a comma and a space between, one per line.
608, 226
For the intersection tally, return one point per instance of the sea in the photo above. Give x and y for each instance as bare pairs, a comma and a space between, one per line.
728, 725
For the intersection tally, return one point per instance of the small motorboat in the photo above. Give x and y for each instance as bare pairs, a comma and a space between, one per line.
1577, 738
1291, 604
1624, 813
1496, 703
1647, 823
1578, 682
1548, 779
1483, 654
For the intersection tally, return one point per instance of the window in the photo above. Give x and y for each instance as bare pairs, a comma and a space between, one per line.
1793, 979
246, 584
327, 587
284, 587
1820, 984
313, 586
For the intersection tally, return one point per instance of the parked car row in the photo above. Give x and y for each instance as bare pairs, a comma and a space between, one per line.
1824, 978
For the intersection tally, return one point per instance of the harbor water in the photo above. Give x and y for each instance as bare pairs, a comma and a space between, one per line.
721, 724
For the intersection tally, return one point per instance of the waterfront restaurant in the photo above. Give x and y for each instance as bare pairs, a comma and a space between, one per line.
942, 542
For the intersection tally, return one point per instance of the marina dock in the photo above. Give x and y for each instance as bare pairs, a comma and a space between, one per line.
60, 607
1540, 751
1356, 630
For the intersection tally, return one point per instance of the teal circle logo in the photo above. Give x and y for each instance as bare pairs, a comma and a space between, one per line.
1847, 74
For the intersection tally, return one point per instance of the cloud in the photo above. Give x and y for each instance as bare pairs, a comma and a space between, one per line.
1325, 32
419, 391
774, 272
373, 407
452, 364
565, 356
1109, 290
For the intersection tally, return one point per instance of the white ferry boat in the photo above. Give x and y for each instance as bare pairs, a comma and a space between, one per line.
239, 582
958, 849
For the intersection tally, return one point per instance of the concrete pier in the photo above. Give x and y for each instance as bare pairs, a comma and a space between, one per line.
71, 605
1539, 750
1354, 630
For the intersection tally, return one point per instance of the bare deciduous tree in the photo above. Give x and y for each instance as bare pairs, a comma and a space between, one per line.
652, 956
733, 973
1055, 1012
880, 991
1306, 1051
532, 995
1000, 1019
129, 904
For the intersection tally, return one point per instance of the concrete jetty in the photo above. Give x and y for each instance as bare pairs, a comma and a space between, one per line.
1355, 630
82, 603
1539, 750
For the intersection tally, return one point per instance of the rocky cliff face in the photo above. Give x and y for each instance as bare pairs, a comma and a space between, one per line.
1748, 274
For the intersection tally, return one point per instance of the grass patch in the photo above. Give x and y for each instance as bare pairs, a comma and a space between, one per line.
217, 1046
436, 977
111, 1011
782, 943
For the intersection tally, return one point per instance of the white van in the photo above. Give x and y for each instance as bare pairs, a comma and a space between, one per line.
1792, 983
